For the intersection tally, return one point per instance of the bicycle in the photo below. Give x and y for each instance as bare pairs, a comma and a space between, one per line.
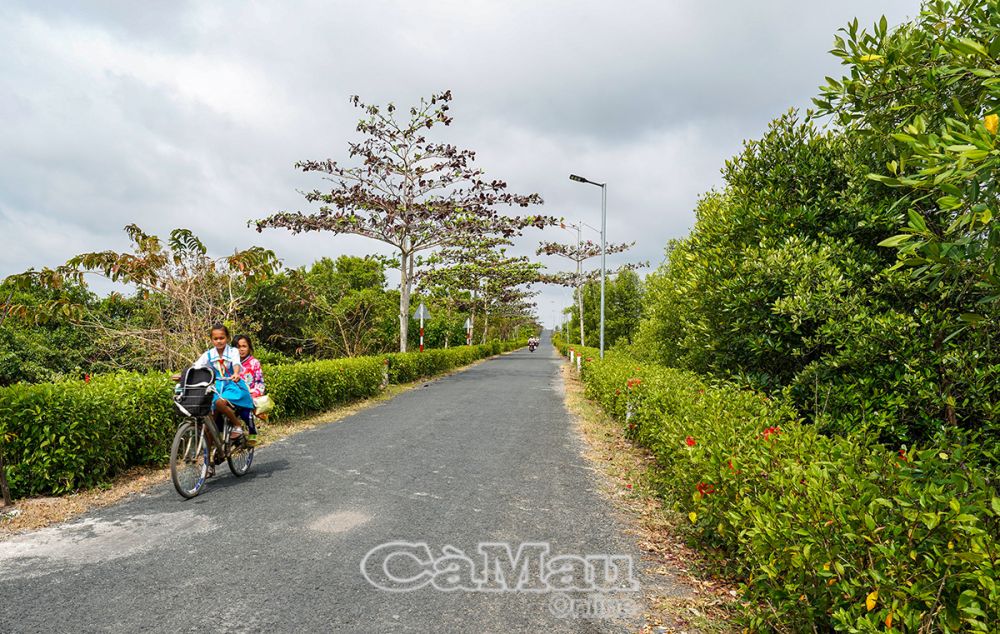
198, 442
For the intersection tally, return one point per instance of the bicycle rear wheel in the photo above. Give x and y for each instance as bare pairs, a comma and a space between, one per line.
189, 459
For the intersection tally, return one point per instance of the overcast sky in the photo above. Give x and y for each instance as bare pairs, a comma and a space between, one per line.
192, 114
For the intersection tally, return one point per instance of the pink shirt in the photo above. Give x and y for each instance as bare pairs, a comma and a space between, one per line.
254, 376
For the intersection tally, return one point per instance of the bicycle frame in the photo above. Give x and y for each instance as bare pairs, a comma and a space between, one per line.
207, 424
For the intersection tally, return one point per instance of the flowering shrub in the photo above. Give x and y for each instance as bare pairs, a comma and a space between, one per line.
825, 532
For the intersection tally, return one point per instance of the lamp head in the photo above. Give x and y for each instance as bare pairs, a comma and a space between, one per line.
579, 179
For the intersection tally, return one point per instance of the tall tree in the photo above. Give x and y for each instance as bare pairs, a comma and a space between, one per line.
407, 192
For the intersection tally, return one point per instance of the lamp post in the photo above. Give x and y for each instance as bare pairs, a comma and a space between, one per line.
604, 226
579, 272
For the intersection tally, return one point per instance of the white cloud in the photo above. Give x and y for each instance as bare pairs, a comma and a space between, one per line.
192, 114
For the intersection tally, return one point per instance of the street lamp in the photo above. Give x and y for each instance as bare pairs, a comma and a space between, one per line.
579, 263
604, 227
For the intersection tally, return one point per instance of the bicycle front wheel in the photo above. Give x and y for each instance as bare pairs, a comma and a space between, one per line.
189, 460
240, 458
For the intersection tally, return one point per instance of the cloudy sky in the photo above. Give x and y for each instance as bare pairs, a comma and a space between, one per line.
192, 114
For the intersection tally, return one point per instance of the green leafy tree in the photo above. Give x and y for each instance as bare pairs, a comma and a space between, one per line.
782, 285
622, 312
37, 346
929, 91
481, 279
351, 313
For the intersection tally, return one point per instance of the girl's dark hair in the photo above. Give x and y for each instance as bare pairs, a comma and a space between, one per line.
238, 338
222, 327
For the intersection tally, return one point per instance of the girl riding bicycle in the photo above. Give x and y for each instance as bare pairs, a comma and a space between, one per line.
232, 397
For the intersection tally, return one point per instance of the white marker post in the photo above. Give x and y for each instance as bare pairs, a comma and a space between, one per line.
421, 314
468, 331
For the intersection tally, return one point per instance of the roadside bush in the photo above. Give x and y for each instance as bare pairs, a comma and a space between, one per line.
410, 366
62, 436
305, 388
826, 532
59, 437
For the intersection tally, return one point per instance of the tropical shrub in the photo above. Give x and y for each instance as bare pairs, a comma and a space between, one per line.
826, 532
58, 437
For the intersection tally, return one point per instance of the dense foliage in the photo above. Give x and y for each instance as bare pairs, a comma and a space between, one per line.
930, 91
815, 370
179, 290
58, 437
825, 532
333, 308
623, 306
782, 285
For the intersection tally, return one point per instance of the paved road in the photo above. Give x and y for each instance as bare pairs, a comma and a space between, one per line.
485, 455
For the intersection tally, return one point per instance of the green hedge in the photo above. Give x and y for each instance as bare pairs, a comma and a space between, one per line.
59, 437
410, 366
826, 532
62, 436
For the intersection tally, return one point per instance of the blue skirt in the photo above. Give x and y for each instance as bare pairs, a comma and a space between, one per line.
238, 394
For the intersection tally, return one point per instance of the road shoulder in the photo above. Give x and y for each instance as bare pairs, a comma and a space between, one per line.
679, 595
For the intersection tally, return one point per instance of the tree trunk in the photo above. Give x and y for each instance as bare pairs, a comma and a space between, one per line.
404, 300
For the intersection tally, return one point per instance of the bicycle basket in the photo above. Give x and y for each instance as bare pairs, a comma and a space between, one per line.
195, 397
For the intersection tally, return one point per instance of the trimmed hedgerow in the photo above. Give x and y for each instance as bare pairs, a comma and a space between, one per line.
59, 437
63, 436
410, 366
826, 532
305, 388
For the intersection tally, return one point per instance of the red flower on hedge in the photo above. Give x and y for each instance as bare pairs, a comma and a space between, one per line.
589, 359
86, 378
690, 441
771, 431
705, 489
732, 469
903, 456
633, 383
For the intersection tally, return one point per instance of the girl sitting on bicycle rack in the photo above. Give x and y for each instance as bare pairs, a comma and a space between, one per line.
252, 373
231, 392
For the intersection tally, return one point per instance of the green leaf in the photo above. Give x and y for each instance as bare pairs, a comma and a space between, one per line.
949, 202
896, 240
971, 46
886, 180
971, 318
917, 221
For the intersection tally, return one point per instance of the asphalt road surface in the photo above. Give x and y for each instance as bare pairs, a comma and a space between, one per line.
488, 455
